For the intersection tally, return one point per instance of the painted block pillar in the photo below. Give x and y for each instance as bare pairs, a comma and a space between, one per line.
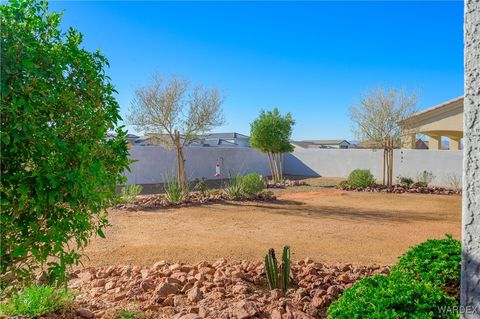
434, 142
454, 143
470, 282
409, 141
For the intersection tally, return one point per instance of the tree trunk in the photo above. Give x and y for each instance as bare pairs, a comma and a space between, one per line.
384, 161
179, 150
282, 156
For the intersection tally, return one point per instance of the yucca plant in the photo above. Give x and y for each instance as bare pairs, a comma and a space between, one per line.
175, 193
234, 189
271, 269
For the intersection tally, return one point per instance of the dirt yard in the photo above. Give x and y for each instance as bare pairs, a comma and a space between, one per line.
325, 224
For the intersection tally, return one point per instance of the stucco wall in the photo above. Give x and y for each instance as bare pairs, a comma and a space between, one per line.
408, 163
155, 164
470, 284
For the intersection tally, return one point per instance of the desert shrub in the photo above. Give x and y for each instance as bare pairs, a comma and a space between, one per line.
425, 178
34, 301
405, 181
174, 192
234, 188
129, 194
396, 296
200, 185
59, 170
454, 181
361, 178
251, 184
436, 261
342, 185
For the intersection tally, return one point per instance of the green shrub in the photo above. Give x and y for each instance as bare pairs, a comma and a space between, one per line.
361, 178
129, 194
59, 169
175, 193
436, 261
34, 301
425, 178
251, 184
342, 185
405, 181
128, 314
396, 296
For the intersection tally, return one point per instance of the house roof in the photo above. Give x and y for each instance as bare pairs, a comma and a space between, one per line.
224, 135
456, 103
307, 143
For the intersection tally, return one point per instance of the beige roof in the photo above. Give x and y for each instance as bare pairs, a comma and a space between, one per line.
435, 110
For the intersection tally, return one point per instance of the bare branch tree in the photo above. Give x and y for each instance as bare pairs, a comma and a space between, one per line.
173, 114
377, 118
377, 115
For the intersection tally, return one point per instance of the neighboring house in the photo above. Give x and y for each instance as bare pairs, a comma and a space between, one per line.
339, 144
226, 139
442, 120
208, 140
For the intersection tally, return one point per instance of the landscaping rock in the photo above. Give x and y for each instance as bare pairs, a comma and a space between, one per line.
224, 289
85, 313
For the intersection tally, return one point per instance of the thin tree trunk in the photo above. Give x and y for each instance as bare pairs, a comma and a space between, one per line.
281, 165
384, 160
391, 162
179, 159
270, 162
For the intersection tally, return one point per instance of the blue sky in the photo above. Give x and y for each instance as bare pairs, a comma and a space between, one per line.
313, 59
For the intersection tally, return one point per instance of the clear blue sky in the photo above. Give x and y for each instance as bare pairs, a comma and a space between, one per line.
313, 59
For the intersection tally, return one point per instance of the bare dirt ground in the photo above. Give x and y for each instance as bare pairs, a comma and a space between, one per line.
325, 224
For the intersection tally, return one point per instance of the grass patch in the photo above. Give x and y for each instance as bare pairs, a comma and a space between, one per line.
34, 301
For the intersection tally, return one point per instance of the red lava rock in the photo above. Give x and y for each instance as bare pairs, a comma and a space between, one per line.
225, 289
245, 309
165, 289
195, 294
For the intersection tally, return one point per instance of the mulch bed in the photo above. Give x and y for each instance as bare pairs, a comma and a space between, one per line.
148, 202
286, 183
224, 289
399, 189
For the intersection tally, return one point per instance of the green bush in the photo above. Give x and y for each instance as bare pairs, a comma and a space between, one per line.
174, 192
436, 261
405, 181
59, 168
361, 178
342, 185
34, 301
129, 194
396, 296
251, 184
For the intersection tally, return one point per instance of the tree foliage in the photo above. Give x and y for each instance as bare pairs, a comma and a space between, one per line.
174, 113
377, 115
270, 133
58, 169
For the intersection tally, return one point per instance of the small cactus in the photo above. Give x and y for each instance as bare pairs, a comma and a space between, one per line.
285, 268
272, 272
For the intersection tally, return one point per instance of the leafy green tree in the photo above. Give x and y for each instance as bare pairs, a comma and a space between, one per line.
58, 168
270, 134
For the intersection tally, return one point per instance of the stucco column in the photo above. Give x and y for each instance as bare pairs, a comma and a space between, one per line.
454, 143
409, 141
470, 283
434, 142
